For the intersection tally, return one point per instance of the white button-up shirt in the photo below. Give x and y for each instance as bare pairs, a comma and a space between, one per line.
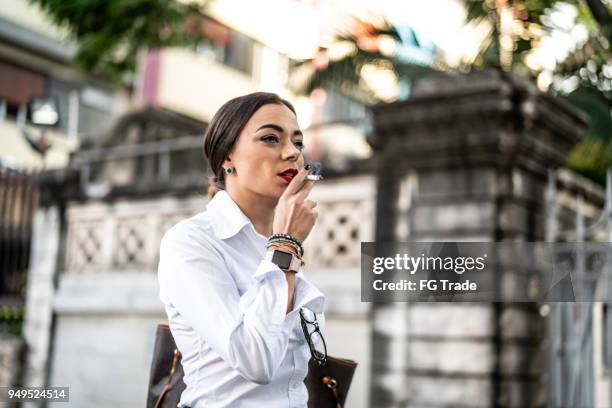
226, 309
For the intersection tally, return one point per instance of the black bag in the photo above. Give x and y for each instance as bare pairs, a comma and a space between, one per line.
327, 384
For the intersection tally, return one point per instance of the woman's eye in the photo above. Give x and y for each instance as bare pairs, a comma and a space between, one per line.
275, 139
270, 138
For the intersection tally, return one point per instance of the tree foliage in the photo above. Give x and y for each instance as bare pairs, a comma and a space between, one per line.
110, 33
588, 66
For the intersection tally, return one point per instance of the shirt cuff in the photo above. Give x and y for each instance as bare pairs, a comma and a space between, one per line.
306, 295
267, 268
266, 300
269, 276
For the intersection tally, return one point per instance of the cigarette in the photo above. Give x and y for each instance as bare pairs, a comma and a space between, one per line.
314, 177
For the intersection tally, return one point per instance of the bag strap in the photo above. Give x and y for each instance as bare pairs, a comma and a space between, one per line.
175, 359
328, 381
331, 383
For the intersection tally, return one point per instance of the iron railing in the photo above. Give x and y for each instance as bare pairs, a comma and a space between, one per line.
18, 198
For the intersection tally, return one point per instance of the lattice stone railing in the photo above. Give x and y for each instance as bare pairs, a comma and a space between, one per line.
346, 218
125, 235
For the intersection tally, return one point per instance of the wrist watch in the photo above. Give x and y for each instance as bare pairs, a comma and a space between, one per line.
285, 260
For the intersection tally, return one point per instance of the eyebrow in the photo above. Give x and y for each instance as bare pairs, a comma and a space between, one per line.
277, 128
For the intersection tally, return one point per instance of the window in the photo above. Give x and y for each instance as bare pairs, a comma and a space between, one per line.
17, 85
228, 47
239, 52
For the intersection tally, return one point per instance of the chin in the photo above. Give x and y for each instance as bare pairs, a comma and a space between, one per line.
269, 193
269, 190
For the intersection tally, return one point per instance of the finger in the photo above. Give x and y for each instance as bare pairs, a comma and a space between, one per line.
310, 204
305, 190
296, 183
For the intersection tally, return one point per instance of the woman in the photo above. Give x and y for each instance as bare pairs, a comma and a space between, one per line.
232, 310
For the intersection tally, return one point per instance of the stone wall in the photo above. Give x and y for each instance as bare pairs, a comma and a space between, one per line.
464, 159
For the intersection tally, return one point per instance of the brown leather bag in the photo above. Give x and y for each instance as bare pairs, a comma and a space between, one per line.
166, 378
329, 378
327, 384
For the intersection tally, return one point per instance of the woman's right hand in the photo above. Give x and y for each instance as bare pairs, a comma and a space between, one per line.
294, 214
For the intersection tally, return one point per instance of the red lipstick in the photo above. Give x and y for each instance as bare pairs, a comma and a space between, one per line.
288, 174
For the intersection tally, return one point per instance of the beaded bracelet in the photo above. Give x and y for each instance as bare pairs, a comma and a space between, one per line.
293, 243
298, 249
286, 236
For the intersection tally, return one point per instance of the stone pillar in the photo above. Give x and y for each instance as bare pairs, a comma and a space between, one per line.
11, 348
464, 159
46, 259
40, 289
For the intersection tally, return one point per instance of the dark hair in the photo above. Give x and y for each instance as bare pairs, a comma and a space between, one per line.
225, 127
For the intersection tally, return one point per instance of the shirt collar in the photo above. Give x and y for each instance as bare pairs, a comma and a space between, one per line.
228, 219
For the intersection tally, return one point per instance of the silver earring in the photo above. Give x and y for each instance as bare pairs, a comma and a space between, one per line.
229, 170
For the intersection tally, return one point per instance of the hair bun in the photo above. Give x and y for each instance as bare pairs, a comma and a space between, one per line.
212, 190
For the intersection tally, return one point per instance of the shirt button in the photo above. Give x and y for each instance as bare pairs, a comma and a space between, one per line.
302, 342
295, 385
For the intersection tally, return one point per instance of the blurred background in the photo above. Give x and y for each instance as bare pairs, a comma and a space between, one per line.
457, 120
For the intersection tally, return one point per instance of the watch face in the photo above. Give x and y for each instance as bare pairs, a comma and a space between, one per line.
282, 259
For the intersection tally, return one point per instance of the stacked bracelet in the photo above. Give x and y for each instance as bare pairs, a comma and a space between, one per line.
286, 238
298, 250
293, 243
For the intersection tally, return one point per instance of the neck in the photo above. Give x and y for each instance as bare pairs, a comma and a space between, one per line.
259, 209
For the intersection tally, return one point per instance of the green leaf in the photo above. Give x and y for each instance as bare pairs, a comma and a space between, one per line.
593, 102
109, 33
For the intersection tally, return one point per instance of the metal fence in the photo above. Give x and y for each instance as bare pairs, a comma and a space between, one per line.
18, 198
571, 371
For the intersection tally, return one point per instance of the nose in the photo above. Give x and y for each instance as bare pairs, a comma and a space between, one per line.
290, 152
